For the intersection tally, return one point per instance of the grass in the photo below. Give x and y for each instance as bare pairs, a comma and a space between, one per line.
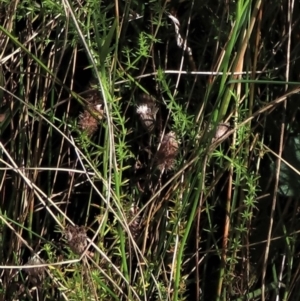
116, 180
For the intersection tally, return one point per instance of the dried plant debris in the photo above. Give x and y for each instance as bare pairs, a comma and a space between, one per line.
180, 41
35, 274
166, 155
133, 15
147, 111
221, 130
135, 225
76, 238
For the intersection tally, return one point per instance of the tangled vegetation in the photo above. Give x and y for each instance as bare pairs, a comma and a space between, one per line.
149, 150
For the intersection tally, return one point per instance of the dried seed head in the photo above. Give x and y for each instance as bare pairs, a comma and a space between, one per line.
147, 112
135, 226
221, 130
76, 238
88, 123
36, 274
88, 120
166, 155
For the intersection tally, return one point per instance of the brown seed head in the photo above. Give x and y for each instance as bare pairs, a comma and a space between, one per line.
166, 155
147, 116
76, 238
221, 130
89, 122
36, 274
89, 118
